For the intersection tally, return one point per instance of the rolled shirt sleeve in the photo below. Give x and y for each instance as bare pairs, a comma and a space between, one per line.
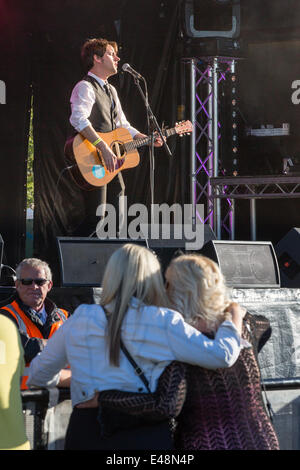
82, 101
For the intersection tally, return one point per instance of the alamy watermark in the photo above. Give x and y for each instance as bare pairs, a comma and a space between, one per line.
162, 222
2, 92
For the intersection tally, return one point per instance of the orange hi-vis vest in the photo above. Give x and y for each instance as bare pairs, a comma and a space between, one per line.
27, 327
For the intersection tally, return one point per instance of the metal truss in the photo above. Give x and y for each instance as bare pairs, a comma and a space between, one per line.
208, 187
206, 74
257, 187
253, 188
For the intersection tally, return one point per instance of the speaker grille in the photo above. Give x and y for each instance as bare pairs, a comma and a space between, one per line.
245, 264
83, 260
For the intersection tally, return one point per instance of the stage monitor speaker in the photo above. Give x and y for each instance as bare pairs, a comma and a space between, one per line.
212, 19
288, 255
83, 260
245, 264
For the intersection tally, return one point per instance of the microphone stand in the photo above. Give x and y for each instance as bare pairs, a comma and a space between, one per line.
152, 128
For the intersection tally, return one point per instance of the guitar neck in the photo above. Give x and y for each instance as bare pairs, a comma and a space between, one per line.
134, 144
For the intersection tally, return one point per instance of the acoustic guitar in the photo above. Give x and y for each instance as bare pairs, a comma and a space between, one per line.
87, 166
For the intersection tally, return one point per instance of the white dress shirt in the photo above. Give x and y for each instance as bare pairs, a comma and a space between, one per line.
82, 102
154, 336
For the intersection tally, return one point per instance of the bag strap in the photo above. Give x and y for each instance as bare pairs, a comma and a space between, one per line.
137, 368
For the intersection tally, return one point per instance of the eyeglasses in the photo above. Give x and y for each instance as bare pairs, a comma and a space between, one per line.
28, 281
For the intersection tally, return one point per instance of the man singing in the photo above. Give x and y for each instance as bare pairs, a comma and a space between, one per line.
96, 107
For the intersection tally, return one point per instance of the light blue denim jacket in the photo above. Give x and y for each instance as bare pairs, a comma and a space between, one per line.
154, 336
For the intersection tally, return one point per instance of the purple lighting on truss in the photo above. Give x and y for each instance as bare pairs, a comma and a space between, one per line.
203, 221
222, 76
203, 164
202, 105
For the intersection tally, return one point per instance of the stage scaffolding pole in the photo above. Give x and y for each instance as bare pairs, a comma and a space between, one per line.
193, 182
215, 126
210, 148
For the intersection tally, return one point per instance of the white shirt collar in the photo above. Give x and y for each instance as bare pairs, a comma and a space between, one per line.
99, 80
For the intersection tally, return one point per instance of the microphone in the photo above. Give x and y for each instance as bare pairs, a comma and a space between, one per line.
127, 68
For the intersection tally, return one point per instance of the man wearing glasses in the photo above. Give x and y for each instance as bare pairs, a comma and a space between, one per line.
35, 315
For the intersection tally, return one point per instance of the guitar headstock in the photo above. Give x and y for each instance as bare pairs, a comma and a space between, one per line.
183, 127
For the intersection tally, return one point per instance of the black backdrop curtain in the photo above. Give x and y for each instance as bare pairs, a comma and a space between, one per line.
44, 41
15, 73
40, 44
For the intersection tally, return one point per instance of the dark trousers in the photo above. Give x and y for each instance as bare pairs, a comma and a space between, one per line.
84, 434
92, 199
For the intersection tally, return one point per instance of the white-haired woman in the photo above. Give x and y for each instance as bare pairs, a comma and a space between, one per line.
224, 409
134, 307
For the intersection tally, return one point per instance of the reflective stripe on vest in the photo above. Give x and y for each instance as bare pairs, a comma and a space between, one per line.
57, 324
28, 328
25, 324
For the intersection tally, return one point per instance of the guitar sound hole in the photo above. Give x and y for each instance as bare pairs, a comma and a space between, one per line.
118, 149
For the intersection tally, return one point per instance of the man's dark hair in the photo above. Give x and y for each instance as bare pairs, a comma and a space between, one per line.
92, 47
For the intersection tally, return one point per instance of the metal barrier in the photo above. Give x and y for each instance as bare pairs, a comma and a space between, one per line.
47, 414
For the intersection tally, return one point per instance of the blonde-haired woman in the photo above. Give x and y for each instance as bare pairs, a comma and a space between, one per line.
134, 307
224, 409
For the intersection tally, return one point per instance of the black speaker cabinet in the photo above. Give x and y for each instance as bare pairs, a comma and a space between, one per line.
288, 255
83, 260
245, 264
210, 19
